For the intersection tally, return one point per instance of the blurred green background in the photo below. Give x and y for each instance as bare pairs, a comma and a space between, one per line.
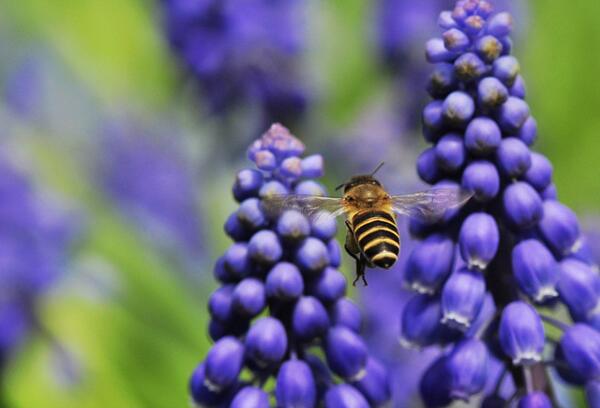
133, 323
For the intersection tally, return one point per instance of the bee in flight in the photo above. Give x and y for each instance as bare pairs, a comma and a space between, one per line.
372, 237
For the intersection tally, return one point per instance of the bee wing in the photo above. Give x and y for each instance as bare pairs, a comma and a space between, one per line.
430, 205
310, 205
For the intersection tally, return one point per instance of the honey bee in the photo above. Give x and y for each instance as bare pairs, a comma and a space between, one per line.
372, 237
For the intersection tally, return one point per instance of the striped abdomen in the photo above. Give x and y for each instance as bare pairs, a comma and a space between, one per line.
377, 236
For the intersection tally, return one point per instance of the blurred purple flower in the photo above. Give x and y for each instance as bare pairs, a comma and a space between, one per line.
35, 237
154, 183
23, 88
241, 52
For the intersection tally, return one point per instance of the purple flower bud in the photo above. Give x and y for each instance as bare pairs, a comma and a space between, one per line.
345, 313
469, 67
219, 303
462, 297
235, 229
563, 369
456, 40
445, 20
482, 179
435, 51
264, 247
550, 193
250, 397
250, 214
324, 226
312, 255
513, 157
329, 286
507, 45
522, 205
467, 366
482, 136
488, 47
433, 115
442, 80
271, 188
513, 114
434, 386
346, 353
284, 282
266, 342
223, 364
450, 152
291, 167
321, 373
506, 69
539, 174
295, 385
430, 263
292, 225
581, 347
521, 333
458, 107
518, 88
500, 25
592, 394
427, 167
344, 396
335, 254
579, 288
535, 270
236, 260
536, 399
459, 13
309, 319
375, 385
560, 228
265, 160
478, 240
474, 24
200, 393
528, 132
247, 183
309, 187
312, 166
248, 298
491, 92
421, 321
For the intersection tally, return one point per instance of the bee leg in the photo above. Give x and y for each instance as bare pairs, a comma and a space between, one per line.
360, 271
353, 250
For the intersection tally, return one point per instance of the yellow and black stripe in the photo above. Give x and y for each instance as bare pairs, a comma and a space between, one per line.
377, 236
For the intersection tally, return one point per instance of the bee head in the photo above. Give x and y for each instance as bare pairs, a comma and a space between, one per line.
361, 179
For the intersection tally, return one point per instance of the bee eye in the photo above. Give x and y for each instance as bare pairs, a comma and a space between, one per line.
349, 198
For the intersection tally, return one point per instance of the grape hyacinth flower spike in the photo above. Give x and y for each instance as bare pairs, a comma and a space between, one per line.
481, 272
281, 303
241, 53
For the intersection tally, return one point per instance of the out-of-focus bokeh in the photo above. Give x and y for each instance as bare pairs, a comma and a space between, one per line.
123, 122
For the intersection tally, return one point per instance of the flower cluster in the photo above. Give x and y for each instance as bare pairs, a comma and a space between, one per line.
481, 272
281, 306
35, 237
241, 51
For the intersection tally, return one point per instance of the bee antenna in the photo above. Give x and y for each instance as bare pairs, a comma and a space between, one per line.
340, 186
377, 168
